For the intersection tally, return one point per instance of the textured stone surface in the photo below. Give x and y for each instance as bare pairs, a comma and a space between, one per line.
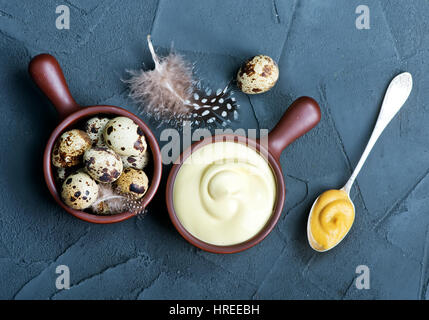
320, 53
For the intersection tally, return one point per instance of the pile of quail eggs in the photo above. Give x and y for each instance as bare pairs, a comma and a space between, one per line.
107, 152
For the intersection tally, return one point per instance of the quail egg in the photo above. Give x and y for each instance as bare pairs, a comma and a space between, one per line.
94, 127
132, 182
69, 148
62, 173
101, 208
102, 164
125, 137
136, 162
257, 75
79, 191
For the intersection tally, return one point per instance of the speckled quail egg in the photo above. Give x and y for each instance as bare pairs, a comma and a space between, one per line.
102, 164
136, 162
94, 127
69, 148
101, 208
62, 173
79, 191
132, 182
257, 75
125, 137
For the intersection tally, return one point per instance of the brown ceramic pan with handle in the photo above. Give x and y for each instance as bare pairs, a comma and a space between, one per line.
300, 117
48, 76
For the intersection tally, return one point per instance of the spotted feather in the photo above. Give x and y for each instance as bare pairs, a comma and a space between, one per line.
213, 108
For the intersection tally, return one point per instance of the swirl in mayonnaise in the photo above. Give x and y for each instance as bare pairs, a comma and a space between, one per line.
224, 193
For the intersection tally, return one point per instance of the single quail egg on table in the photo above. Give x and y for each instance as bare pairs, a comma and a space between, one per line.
125, 137
133, 183
94, 127
79, 191
69, 148
136, 162
257, 75
102, 164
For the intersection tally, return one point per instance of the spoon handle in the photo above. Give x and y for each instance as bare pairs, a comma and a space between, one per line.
397, 93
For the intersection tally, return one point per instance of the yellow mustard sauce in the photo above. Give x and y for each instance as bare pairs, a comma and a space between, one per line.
332, 217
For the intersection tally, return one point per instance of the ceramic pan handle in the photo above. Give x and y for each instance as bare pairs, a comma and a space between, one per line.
302, 116
47, 74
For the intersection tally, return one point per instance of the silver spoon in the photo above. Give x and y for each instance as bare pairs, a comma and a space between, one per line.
397, 93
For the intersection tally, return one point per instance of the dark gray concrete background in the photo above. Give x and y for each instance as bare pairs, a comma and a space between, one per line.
320, 53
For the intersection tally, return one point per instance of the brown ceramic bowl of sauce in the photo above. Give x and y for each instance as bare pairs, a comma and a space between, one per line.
212, 183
